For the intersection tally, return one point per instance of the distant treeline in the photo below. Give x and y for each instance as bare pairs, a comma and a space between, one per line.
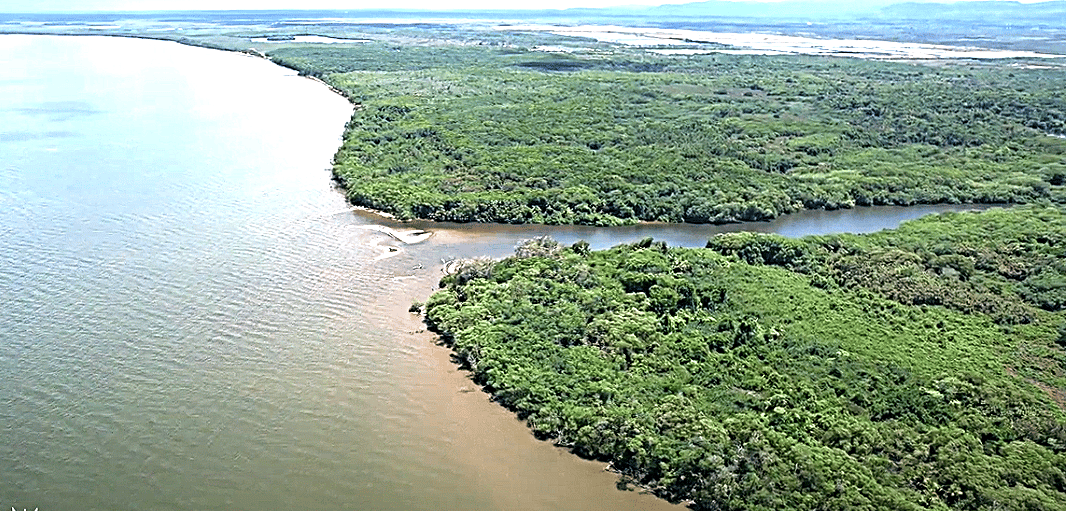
498, 133
921, 368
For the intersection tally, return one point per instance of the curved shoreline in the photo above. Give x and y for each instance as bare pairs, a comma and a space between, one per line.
393, 233
254, 52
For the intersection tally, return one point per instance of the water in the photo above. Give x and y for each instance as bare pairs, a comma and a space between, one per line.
192, 319
471, 240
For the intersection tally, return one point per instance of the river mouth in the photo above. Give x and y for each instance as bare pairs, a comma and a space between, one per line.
193, 319
458, 240
190, 324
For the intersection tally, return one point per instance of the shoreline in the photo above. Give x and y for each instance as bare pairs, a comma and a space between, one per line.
510, 431
403, 293
314, 78
251, 52
254, 52
333, 319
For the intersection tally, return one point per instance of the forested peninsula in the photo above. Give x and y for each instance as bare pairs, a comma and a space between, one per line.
920, 368
497, 132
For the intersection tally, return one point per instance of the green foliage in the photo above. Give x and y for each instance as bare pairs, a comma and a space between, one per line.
497, 133
760, 375
756, 248
1004, 263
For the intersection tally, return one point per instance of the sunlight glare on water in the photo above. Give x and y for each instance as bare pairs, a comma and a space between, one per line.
192, 318
188, 324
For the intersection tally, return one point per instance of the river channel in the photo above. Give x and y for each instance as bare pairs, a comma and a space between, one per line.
192, 317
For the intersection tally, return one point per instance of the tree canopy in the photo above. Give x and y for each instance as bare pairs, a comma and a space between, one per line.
920, 368
502, 133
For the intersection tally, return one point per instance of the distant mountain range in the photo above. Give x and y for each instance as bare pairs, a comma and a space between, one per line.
1051, 12
787, 9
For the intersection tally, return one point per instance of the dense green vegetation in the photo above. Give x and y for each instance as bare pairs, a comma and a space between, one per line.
910, 369
920, 368
1005, 264
497, 132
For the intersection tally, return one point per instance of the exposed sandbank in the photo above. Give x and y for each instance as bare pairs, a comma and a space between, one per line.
682, 42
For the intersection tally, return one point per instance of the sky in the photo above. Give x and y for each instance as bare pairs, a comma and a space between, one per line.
153, 5
150, 5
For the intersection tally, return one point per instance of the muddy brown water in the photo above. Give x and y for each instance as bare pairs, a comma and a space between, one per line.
192, 319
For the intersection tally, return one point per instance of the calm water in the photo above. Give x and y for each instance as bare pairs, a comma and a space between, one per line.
191, 319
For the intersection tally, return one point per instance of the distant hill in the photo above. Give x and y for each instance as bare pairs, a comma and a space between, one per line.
1053, 12
1045, 12
788, 9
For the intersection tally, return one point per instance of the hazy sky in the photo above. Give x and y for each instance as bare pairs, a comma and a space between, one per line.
146, 5
152, 5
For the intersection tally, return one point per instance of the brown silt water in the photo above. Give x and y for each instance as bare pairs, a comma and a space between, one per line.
192, 318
